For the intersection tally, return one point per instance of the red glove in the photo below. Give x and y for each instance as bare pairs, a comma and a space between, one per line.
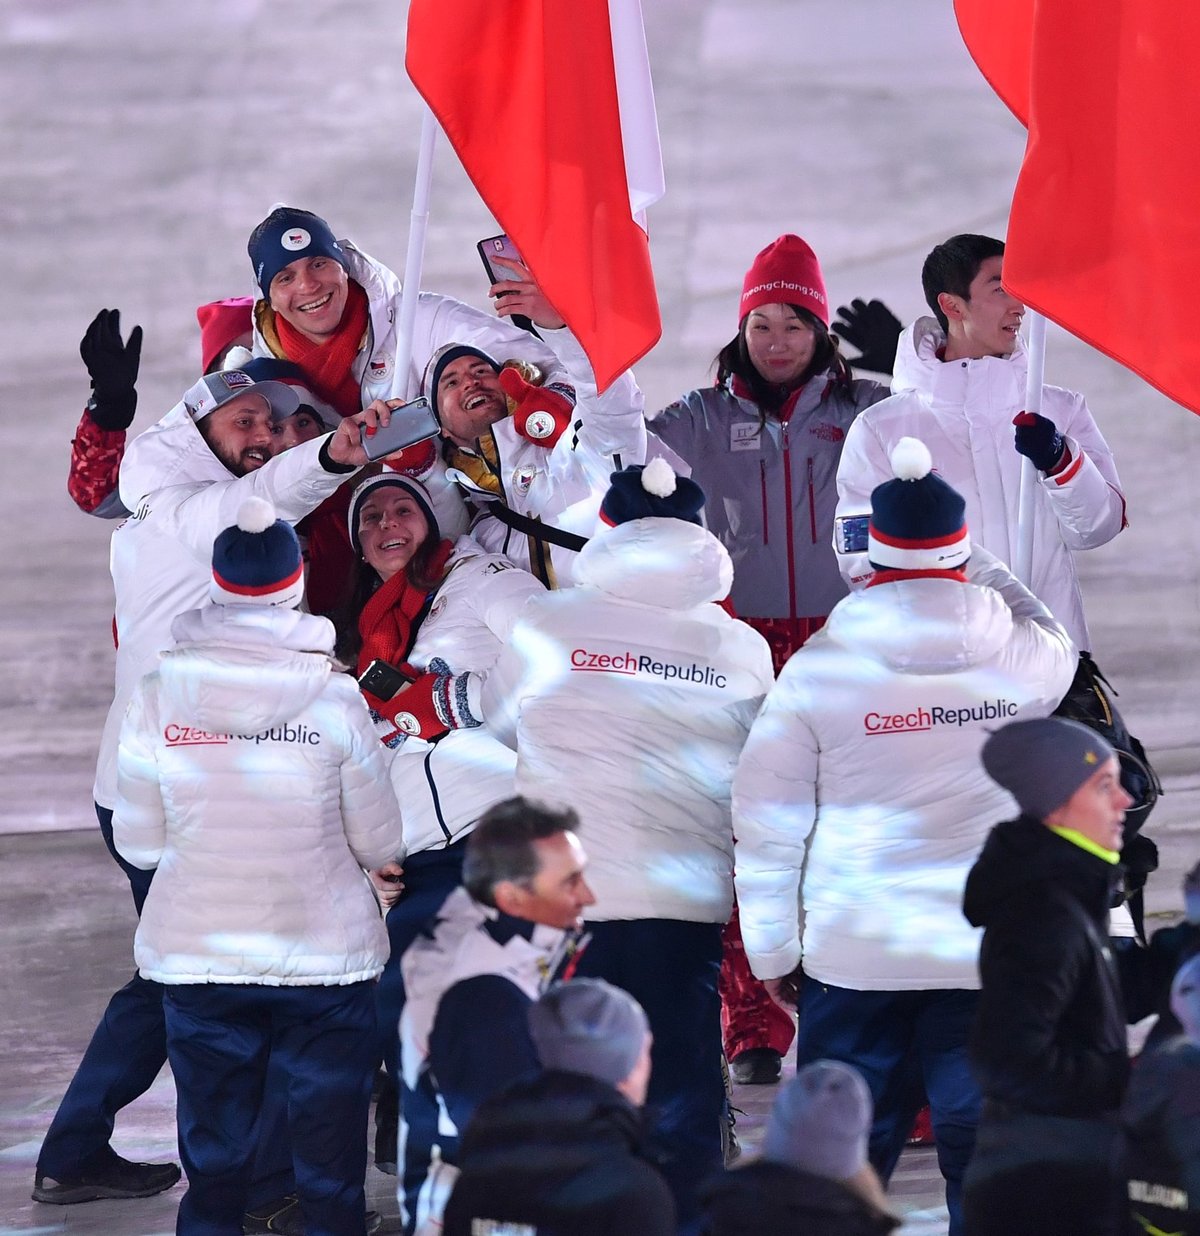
416, 460
541, 414
429, 707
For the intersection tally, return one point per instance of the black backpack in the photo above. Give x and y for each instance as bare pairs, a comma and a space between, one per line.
1089, 701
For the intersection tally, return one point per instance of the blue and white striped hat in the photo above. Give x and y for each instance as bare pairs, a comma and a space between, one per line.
258, 560
918, 522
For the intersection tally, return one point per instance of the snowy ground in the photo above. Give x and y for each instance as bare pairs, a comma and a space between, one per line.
141, 142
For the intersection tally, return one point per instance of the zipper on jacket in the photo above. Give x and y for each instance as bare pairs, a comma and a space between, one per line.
762, 477
787, 495
812, 502
437, 802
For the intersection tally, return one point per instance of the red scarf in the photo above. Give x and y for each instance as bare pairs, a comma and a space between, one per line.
329, 365
386, 622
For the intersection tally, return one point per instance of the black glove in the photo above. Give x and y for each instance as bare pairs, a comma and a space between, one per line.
873, 329
1038, 439
113, 368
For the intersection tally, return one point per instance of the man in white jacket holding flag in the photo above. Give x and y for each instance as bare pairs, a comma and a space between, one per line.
860, 795
959, 387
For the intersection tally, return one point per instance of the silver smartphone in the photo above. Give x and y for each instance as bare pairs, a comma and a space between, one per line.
411, 423
850, 533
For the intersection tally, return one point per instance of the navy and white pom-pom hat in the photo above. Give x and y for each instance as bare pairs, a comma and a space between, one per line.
918, 522
651, 491
286, 235
258, 560
215, 390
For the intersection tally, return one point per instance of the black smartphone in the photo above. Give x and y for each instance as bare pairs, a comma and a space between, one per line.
383, 680
850, 533
501, 246
411, 423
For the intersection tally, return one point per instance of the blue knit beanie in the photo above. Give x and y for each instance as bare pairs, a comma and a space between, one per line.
651, 491
918, 522
257, 561
286, 235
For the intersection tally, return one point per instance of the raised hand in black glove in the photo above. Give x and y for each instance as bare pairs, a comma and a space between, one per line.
113, 368
873, 329
1038, 439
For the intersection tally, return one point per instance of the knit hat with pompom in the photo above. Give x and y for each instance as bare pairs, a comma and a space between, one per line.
257, 561
918, 522
651, 490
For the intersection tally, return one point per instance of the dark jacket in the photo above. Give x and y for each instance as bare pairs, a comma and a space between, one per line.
1049, 1035
564, 1154
1161, 1122
771, 1199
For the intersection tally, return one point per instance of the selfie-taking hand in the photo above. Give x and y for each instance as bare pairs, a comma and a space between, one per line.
521, 296
873, 329
112, 366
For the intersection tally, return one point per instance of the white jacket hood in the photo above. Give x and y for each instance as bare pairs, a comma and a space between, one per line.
172, 451
919, 368
663, 562
961, 624
215, 676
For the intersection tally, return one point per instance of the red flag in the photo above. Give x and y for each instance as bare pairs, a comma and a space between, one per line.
1104, 234
528, 95
999, 38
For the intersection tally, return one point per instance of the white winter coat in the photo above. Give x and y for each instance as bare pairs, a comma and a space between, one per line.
251, 780
444, 787
182, 496
860, 798
963, 411
628, 697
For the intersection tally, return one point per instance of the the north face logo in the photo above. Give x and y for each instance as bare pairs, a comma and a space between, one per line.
827, 432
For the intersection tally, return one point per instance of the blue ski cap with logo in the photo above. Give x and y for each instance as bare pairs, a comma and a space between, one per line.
285, 236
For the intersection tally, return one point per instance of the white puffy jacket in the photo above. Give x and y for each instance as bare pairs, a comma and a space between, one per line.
963, 411
860, 799
444, 787
250, 778
182, 496
628, 697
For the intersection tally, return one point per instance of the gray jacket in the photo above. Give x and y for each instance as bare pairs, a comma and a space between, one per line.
771, 487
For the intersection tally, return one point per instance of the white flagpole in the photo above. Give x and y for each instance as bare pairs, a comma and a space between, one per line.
418, 221
1023, 564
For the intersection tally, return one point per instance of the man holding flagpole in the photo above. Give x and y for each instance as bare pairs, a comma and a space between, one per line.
959, 386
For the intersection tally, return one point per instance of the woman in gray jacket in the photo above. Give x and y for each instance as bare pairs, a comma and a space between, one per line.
764, 444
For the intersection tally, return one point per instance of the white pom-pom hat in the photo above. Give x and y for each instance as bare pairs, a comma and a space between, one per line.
917, 521
257, 561
651, 491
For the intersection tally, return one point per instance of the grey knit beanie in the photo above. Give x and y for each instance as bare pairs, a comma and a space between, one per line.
589, 1026
1042, 763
